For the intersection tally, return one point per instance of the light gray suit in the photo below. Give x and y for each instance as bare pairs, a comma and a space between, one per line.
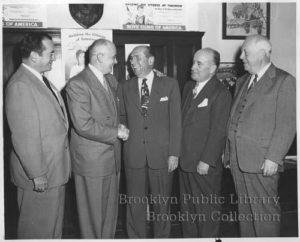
95, 151
262, 125
39, 131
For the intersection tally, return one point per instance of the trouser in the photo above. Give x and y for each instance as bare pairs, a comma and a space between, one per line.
97, 204
41, 213
257, 197
138, 182
199, 200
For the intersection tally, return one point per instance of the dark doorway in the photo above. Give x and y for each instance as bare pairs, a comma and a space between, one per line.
173, 51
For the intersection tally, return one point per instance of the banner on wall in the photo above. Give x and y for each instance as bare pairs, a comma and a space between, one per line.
74, 44
154, 16
24, 16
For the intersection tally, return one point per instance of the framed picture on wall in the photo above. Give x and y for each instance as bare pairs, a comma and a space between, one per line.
242, 19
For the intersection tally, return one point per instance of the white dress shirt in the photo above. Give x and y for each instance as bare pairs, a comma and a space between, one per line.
149, 81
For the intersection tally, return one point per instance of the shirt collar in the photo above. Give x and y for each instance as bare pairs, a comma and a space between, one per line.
33, 71
97, 73
149, 77
263, 70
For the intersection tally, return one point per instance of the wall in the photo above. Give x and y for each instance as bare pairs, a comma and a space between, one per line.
282, 33
206, 17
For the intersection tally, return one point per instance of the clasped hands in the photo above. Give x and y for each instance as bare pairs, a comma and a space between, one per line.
123, 132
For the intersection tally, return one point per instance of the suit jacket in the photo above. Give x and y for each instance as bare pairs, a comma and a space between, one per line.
267, 125
39, 131
158, 136
95, 148
204, 126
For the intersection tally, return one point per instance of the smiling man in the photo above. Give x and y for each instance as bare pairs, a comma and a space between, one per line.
262, 126
95, 147
150, 107
40, 159
205, 110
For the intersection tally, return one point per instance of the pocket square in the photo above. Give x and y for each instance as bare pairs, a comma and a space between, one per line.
204, 103
163, 99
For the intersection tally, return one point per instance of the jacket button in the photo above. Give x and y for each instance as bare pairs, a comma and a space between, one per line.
144, 142
145, 127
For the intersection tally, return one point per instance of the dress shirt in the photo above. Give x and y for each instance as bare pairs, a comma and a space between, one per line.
99, 76
149, 81
198, 87
259, 74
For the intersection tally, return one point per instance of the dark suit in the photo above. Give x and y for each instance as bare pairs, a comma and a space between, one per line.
95, 152
262, 126
151, 141
203, 139
39, 131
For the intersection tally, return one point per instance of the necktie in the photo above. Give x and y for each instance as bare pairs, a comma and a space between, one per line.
46, 81
253, 82
144, 97
195, 93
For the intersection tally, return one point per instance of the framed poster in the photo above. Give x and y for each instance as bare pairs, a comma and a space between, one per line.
242, 19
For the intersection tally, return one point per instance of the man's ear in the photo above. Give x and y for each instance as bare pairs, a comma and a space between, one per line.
213, 69
151, 60
99, 57
34, 56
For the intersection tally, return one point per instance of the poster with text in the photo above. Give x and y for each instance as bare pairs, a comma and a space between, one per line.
24, 16
75, 43
154, 16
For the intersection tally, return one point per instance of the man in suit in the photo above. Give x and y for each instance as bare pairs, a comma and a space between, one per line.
150, 108
205, 111
261, 128
95, 147
40, 159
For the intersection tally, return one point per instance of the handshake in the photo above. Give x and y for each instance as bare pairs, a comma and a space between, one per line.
123, 132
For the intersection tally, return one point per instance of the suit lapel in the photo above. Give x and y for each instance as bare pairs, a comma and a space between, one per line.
261, 86
44, 89
206, 92
135, 93
154, 94
97, 86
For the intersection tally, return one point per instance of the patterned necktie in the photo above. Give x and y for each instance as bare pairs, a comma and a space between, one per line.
144, 97
253, 82
46, 81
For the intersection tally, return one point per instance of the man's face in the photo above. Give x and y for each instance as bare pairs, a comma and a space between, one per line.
44, 61
109, 59
250, 57
140, 64
202, 68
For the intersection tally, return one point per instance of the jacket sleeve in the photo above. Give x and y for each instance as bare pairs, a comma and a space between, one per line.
285, 121
79, 104
24, 123
175, 120
217, 129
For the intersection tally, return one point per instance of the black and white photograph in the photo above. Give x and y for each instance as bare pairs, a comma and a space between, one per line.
146, 119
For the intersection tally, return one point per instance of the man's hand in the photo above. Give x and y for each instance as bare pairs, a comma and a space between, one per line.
123, 132
40, 183
202, 168
172, 163
269, 168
